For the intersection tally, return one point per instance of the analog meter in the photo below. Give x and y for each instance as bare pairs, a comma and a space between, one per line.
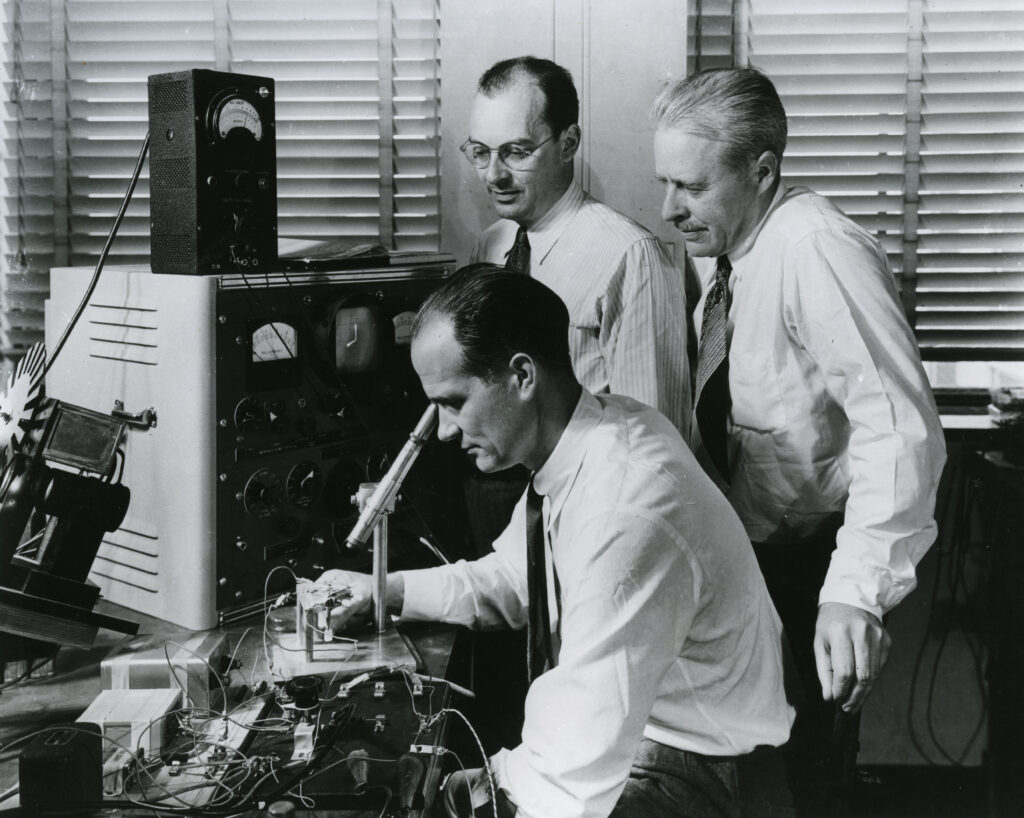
273, 341
233, 112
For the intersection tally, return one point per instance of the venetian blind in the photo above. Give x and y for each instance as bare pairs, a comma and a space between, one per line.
357, 123
909, 116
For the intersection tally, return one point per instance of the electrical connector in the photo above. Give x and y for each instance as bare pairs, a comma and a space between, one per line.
426, 749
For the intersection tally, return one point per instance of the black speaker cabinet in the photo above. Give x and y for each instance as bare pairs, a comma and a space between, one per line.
61, 766
213, 173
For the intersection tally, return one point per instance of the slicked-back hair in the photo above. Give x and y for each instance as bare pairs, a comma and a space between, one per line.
736, 106
495, 314
561, 103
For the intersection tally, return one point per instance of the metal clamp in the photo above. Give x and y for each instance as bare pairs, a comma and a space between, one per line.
146, 419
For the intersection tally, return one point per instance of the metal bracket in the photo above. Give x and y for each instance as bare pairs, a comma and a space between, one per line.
146, 419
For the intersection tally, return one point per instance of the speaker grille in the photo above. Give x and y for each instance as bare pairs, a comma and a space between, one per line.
171, 248
171, 172
169, 97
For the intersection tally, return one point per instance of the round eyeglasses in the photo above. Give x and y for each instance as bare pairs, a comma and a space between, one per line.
512, 154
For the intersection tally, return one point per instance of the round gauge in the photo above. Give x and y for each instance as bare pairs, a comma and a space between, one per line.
273, 341
303, 485
262, 493
248, 415
403, 327
235, 112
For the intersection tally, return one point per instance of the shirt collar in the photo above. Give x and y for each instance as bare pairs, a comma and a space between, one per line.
550, 227
555, 478
744, 246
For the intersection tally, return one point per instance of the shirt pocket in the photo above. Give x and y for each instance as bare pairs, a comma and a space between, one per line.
755, 393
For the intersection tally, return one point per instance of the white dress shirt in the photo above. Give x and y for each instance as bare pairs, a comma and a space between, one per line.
626, 299
831, 409
666, 628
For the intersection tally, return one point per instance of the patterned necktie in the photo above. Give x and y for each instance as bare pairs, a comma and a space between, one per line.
712, 400
518, 260
539, 653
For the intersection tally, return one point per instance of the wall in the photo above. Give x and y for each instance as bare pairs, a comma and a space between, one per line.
618, 58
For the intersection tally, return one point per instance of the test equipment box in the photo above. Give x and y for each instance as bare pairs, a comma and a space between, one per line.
256, 406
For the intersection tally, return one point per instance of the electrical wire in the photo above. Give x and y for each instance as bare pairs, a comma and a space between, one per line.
480, 747
174, 673
234, 653
959, 500
437, 552
51, 358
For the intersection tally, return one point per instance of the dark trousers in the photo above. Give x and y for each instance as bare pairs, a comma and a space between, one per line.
664, 783
822, 750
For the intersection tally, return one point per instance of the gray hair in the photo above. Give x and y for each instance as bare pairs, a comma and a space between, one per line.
736, 106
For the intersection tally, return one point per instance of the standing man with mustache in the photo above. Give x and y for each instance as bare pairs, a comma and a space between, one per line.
813, 412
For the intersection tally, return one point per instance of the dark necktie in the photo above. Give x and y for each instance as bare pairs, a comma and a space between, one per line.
712, 399
518, 260
539, 654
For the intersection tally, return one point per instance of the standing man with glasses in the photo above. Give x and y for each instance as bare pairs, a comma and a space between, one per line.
813, 412
627, 307
628, 318
655, 653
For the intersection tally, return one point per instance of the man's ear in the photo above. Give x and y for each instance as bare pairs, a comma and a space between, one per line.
523, 374
570, 142
766, 170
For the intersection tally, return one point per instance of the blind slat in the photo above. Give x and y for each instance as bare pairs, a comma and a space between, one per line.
324, 57
841, 70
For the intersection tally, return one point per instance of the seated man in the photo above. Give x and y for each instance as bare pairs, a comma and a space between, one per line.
653, 647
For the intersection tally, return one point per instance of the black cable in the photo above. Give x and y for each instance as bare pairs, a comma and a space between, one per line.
252, 802
957, 580
52, 357
959, 505
943, 503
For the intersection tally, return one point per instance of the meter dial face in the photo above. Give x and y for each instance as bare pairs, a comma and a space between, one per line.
304, 481
403, 327
262, 494
249, 415
274, 341
236, 112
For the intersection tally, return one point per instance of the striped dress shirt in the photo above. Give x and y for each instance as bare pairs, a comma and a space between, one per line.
627, 306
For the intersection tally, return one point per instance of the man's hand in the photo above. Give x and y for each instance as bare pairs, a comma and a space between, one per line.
850, 649
356, 604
